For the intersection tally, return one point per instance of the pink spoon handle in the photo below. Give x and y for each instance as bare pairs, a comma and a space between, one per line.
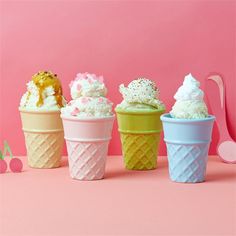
216, 97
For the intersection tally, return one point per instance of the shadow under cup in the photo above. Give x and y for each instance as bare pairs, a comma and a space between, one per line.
187, 142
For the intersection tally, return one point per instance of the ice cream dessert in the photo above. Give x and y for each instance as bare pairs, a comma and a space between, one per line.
187, 133
139, 123
44, 92
189, 100
140, 94
88, 97
88, 121
40, 116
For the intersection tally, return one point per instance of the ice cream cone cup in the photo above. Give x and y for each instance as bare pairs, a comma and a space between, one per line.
140, 136
87, 141
43, 132
187, 143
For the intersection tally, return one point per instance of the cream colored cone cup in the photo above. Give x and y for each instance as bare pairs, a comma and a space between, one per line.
43, 132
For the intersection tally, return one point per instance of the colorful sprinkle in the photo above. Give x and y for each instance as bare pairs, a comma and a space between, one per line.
70, 103
75, 112
100, 100
85, 100
90, 80
79, 87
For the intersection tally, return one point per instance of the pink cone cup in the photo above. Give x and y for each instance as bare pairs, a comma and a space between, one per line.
87, 141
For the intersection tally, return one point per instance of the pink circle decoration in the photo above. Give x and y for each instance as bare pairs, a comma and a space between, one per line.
3, 166
100, 100
85, 100
79, 87
75, 112
16, 165
90, 81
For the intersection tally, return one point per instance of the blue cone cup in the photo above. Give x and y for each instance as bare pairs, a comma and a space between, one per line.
187, 142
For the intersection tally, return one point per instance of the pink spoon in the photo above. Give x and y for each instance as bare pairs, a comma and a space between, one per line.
226, 148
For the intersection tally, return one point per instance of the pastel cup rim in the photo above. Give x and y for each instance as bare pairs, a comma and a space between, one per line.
92, 118
138, 111
167, 118
41, 111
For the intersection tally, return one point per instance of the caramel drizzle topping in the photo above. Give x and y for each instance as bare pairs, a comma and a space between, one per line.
45, 79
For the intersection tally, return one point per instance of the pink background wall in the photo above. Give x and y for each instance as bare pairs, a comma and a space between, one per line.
162, 40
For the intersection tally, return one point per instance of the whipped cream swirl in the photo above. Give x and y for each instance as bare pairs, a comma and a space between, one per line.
189, 100
88, 93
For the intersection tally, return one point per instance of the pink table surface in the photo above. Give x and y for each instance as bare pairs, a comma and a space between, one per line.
48, 202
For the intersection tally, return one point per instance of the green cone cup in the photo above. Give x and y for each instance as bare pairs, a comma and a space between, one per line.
140, 136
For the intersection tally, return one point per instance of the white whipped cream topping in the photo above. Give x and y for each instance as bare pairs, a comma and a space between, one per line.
140, 94
87, 85
30, 98
88, 107
189, 100
88, 97
189, 90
